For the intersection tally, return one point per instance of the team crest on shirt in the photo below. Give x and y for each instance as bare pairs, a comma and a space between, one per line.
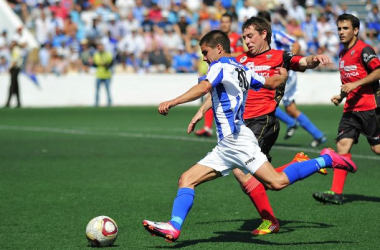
269, 56
352, 52
243, 59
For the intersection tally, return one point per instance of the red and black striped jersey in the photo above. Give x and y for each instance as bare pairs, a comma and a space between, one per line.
265, 101
356, 63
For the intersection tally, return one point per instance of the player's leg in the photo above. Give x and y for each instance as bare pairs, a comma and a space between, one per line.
212, 166
348, 135
183, 202
290, 122
374, 128
301, 170
98, 82
305, 123
107, 83
208, 121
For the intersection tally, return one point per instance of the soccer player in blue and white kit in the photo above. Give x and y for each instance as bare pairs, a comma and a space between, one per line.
237, 147
293, 117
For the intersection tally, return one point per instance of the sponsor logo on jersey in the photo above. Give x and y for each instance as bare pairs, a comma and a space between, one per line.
341, 65
261, 68
250, 65
350, 68
250, 160
243, 59
367, 57
348, 75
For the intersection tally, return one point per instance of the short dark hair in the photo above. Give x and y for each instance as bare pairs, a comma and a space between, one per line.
260, 24
216, 37
227, 15
348, 17
265, 14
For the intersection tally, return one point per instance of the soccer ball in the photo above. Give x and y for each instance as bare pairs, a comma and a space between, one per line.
101, 231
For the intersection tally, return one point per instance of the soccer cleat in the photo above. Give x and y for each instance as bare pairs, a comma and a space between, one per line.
206, 132
328, 197
340, 161
316, 142
290, 131
267, 227
162, 229
300, 157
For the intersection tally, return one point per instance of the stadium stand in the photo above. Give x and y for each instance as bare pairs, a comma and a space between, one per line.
142, 34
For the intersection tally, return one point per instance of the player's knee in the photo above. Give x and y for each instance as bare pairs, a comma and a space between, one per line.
376, 149
185, 181
239, 175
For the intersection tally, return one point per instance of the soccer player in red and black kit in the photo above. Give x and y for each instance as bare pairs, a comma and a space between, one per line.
236, 49
360, 74
259, 113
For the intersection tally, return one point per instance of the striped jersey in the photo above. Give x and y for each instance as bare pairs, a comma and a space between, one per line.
230, 81
281, 41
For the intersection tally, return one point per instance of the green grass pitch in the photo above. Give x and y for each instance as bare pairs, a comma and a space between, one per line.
61, 167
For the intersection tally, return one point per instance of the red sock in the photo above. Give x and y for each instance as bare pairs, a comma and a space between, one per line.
209, 118
339, 178
256, 192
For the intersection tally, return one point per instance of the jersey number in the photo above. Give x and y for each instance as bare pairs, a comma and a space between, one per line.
243, 82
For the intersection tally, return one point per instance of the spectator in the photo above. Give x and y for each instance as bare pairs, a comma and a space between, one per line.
139, 10
129, 23
329, 46
103, 61
86, 56
373, 22
172, 40
14, 69
296, 11
42, 28
45, 57
183, 61
158, 60
246, 11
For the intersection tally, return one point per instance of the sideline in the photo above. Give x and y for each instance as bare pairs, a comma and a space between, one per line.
152, 136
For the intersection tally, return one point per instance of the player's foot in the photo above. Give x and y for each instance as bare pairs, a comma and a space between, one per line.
207, 132
267, 227
340, 161
316, 142
290, 131
162, 229
300, 157
328, 197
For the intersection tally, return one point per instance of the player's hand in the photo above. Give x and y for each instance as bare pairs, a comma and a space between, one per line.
198, 116
322, 59
164, 107
336, 99
348, 87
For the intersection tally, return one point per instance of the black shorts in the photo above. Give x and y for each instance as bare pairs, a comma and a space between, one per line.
354, 123
266, 129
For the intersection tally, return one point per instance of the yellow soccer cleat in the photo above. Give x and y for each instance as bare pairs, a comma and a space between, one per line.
267, 227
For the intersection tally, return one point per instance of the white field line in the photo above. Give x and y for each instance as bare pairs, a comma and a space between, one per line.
152, 136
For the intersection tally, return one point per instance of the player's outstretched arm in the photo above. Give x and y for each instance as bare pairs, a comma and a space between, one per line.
275, 81
199, 115
312, 61
369, 79
192, 94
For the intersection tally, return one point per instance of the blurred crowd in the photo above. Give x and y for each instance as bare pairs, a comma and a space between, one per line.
147, 36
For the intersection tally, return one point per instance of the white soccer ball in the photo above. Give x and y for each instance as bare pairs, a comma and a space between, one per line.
101, 231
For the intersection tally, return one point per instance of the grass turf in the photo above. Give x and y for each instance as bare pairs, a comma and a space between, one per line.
61, 167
